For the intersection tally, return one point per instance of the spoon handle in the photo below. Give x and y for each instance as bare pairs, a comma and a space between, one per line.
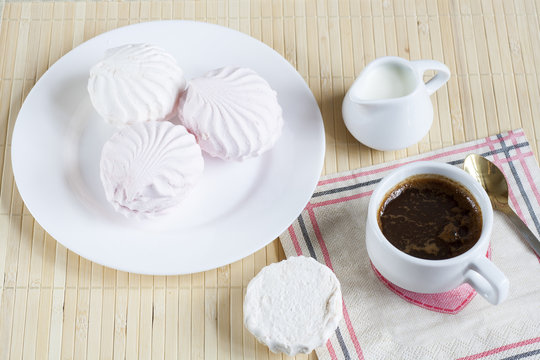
523, 229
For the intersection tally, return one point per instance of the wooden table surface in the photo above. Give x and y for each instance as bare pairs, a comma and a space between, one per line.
57, 304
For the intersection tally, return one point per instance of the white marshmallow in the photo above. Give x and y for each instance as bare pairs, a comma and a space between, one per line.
293, 306
135, 83
233, 112
148, 168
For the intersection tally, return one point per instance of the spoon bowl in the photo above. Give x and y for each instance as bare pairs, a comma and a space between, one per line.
493, 181
490, 177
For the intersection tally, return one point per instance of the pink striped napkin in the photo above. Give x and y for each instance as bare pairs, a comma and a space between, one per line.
382, 321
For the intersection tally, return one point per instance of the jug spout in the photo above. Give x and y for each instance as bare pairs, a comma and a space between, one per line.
357, 91
354, 94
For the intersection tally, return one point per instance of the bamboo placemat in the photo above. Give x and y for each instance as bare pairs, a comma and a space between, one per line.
55, 303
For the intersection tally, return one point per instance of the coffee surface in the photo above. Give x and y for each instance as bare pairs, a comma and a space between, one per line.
430, 217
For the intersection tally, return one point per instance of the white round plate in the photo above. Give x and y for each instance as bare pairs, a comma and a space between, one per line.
236, 209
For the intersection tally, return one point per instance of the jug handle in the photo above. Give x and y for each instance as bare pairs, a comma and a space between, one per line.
440, 78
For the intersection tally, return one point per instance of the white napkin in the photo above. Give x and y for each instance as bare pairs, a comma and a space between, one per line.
381, 322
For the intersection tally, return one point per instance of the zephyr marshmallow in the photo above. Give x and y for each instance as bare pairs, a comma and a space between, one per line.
293, 306
148, 168
233, 112
136, 83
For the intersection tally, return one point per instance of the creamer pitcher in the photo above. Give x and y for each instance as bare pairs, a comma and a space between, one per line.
388, 106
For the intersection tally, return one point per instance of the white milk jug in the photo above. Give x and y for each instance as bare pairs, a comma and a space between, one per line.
388, 105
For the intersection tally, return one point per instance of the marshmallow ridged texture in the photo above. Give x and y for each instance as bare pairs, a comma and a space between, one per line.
147, 169
293, 306
136, 83
233, 112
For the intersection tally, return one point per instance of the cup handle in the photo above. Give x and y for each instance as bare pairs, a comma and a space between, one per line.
487, 280
440, 78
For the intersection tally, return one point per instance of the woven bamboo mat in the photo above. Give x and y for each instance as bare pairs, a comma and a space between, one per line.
55, 303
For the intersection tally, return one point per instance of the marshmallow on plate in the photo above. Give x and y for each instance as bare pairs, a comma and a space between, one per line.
233, 112
148, 168
136, 83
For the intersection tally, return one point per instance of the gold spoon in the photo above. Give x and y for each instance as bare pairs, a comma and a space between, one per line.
494, 182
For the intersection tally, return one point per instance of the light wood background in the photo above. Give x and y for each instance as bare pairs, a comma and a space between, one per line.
56, 304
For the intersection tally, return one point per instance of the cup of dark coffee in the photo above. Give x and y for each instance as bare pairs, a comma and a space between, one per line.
428, 230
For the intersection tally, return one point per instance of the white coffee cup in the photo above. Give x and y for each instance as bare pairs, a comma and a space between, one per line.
388, 105
434, 276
